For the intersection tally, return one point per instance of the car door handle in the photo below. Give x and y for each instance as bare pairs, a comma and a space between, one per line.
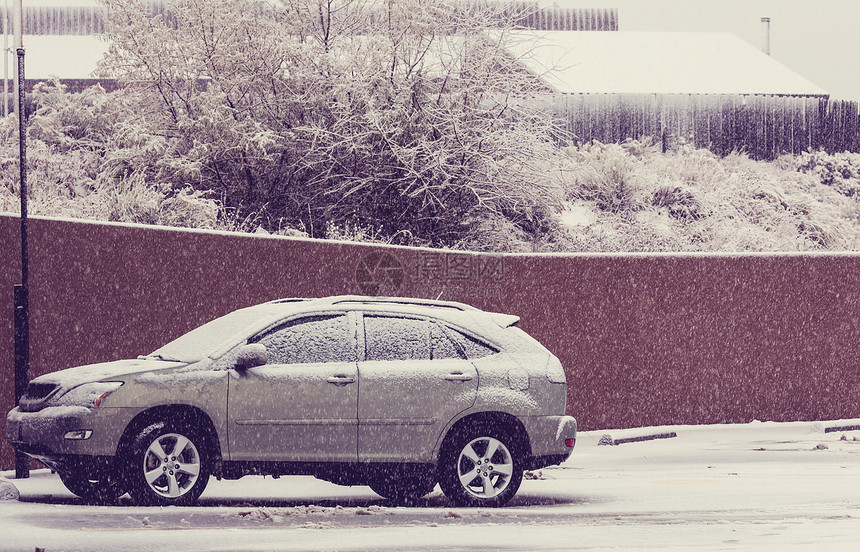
458, 376
341, 379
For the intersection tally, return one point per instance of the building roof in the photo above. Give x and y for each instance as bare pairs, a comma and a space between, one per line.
656, 63
64, 57
569, 62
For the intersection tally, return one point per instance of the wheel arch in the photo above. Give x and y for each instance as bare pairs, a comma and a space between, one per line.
510, 423
173, 412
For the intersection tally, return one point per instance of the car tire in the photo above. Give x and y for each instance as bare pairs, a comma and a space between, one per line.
168, 464
100, 486
403, 489
480, 466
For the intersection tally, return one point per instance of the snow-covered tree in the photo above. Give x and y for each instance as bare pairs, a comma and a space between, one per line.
408, 116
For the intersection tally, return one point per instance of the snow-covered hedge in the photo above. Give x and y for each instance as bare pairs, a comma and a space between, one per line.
632, 197
417, 128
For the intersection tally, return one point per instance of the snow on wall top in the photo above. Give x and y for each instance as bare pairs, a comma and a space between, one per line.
656, 63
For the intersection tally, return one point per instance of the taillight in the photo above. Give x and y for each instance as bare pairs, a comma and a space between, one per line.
569, 443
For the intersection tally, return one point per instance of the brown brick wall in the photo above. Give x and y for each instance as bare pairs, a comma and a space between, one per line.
645, 339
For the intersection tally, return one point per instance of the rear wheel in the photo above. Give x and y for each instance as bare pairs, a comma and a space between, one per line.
168, 464
480, 467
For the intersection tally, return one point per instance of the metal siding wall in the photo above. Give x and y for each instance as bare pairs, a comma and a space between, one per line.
90, 20
764, 127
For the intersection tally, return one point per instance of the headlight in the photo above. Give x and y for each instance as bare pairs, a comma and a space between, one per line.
88, 394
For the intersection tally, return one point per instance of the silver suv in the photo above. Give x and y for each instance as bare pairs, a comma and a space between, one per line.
398, 394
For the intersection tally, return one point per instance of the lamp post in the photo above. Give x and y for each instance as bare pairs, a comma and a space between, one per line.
22, 291
5, 58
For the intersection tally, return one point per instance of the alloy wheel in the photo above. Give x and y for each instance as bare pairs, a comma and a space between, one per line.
171, 465
485, 467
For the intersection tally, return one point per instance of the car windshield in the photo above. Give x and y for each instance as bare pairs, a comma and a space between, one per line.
208, 338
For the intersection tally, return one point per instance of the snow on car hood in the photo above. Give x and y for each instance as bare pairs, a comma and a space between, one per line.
72, 377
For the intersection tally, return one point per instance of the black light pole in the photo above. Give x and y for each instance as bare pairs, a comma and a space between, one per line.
22, 291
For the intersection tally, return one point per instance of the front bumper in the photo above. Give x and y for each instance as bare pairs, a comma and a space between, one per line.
42, 434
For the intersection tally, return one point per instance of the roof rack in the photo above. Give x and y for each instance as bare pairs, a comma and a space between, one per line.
402, 301
375, 300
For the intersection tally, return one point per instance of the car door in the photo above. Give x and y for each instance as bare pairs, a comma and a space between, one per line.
412, 381
301, 405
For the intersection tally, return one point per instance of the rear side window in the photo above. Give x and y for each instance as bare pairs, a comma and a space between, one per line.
441, 346
311, 339
395, 338
473, 348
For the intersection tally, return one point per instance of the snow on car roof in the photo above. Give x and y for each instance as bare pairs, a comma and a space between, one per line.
450, 310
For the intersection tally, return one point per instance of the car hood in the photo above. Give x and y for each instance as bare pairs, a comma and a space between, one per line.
72, 377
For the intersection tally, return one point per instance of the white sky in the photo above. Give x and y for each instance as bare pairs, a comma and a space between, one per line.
819, 39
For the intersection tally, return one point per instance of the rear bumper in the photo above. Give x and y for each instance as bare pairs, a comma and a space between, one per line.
536, 462
549, 437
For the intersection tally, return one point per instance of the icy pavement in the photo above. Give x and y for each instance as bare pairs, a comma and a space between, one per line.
757, 486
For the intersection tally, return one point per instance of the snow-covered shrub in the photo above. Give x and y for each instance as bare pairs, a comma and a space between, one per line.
604, 174
133, 199
88, 159
841, 171
8, 490
66, 121
409, 116
692, 200
497, 233
679, 201
354, 231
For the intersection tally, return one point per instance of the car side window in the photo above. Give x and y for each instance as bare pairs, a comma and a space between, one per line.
311, 339
395, 338
473, 348
441, 346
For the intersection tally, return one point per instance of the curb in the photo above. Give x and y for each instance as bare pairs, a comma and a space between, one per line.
841, 428
608, 440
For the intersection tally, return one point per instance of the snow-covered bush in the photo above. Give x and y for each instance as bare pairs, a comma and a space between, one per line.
631, 197
410, 117
8, 490
83, 163
841, 171
406, 122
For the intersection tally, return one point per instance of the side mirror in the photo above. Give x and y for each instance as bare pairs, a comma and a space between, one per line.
250, 356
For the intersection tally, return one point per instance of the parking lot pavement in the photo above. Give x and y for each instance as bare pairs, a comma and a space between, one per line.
757, 485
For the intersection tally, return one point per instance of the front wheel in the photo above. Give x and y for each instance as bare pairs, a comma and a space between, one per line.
168, 465
480, 467
97, 485
403, 489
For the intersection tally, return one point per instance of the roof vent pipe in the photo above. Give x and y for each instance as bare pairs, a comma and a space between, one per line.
765, 35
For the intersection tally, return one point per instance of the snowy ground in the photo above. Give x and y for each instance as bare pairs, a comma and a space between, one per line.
758, 486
